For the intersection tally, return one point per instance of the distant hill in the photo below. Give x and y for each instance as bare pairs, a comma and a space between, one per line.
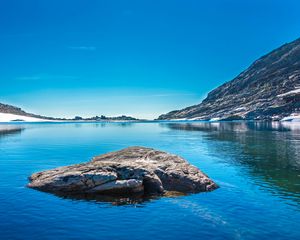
104, 118
5, 108
268, 89
9, 109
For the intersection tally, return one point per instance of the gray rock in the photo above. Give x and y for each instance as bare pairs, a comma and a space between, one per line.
133, 170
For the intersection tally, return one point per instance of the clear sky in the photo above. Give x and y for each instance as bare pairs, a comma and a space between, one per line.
141, 58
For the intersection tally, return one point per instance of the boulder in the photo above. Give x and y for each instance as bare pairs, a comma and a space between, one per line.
133, 170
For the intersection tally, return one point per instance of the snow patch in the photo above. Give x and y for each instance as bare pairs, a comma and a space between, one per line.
239, 109
8, 117
178, 119
289, 93
215, 119
292, 118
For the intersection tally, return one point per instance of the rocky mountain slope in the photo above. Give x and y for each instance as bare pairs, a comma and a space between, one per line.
268, 89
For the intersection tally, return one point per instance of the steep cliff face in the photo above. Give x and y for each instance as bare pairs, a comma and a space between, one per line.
268, 89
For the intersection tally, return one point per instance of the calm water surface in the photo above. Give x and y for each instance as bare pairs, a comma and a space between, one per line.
257, 166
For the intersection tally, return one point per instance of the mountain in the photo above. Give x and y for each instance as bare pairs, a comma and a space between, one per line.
268, 89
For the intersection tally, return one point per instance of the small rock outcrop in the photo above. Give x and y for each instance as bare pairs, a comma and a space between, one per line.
133, 170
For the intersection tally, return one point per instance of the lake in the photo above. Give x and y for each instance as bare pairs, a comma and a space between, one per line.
256, 165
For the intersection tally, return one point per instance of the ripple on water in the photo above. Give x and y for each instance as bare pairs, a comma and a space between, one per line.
255, 164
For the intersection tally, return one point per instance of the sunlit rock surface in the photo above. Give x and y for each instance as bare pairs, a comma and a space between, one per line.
134, 170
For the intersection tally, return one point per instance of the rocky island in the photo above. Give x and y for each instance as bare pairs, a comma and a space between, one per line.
134, 171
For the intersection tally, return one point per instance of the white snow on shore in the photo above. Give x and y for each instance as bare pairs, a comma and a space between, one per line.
216, 119
179, 119
8, 117
291, 118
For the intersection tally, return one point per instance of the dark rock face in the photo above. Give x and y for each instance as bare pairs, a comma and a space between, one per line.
134, 170
269, 88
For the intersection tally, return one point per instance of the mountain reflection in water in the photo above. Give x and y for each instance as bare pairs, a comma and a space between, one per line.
269, 150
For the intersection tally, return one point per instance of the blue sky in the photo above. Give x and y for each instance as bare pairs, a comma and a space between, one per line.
140, 58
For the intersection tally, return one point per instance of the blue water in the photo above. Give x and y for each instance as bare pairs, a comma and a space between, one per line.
257, 166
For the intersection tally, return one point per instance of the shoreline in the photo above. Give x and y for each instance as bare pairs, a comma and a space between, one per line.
141, 121
14, 118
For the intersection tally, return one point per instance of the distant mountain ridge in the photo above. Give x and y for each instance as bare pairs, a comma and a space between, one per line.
268, 89
9, 109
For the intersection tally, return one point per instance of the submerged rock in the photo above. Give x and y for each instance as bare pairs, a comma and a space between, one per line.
133, 170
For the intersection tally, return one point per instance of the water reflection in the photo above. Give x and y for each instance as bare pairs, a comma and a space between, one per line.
235, 126
7, 130
269, 151
119, 200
